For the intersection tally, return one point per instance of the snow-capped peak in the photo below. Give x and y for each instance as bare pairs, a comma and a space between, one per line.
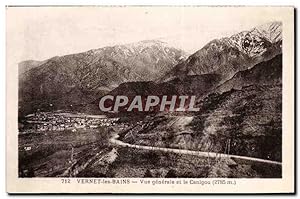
256, 41
271, 31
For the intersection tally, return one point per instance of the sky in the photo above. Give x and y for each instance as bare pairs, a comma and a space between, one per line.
39, 33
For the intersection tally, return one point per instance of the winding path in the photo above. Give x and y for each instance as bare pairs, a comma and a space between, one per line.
115, 140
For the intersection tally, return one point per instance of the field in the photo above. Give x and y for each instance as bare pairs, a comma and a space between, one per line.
52, 153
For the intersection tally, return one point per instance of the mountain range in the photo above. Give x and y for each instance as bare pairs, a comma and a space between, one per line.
229, 55
152, 68
247, 58
60, 82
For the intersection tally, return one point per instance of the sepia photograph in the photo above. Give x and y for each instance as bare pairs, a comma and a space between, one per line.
120, 93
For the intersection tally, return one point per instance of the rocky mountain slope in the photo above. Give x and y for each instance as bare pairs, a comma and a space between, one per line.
243, 116
227, 56
192, 85
78, 78
265, 73
242, 122
250, 118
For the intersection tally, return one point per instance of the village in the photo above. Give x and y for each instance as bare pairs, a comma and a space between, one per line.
60, 121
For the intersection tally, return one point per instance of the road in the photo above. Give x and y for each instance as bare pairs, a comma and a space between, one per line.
115, 140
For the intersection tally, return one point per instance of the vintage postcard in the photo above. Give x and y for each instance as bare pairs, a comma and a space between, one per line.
150, 99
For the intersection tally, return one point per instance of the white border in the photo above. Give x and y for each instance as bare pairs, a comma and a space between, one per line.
103, 2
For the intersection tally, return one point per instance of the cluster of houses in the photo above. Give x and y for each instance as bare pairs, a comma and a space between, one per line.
47, 121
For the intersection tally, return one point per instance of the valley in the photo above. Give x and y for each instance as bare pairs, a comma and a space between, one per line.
99, 152
88, 114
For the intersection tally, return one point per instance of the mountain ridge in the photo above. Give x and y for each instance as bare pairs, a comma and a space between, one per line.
87, 75
228, 55
263, 73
